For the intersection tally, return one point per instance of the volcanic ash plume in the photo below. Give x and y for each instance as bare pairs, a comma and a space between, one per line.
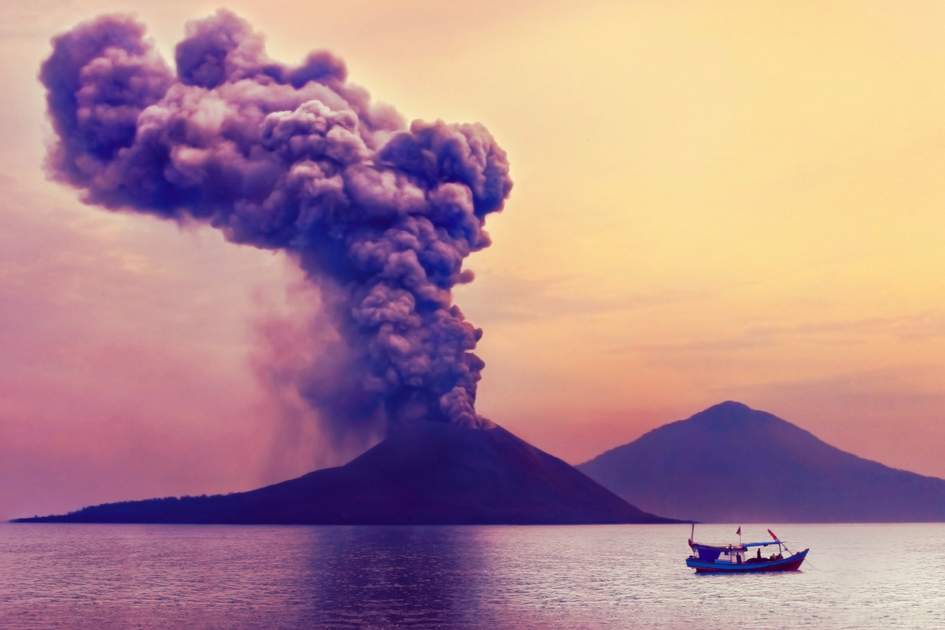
294, 158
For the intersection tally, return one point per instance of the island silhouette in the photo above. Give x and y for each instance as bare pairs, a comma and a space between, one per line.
732, 463
727, 463
425, 473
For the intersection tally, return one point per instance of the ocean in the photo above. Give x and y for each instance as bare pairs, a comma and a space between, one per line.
606, 576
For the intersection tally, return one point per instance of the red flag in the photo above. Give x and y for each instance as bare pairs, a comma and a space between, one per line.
739, 532
773, 535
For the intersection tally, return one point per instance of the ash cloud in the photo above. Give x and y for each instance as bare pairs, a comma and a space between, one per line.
379, 215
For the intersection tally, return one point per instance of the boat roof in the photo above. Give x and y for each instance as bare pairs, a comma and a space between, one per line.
766, 543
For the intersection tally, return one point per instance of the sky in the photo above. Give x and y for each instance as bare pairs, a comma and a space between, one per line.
712, 201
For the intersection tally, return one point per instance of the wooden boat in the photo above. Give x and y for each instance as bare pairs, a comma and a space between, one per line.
737, 557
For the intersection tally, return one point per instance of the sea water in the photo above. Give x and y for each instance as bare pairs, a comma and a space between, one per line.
611, 576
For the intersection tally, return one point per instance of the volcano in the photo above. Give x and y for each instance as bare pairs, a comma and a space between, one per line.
732, 463
427, 473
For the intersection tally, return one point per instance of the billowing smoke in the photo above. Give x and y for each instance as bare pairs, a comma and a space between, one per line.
380, 216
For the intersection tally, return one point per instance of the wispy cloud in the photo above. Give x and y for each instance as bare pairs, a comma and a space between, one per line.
845, 332
502, 297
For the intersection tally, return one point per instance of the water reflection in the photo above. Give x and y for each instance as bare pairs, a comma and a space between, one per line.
396, 576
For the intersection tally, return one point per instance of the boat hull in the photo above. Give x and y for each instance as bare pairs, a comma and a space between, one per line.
791, 563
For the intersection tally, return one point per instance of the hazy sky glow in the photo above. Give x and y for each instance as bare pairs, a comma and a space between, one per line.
712, 201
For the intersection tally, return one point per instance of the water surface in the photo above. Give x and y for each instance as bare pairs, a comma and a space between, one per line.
143, 576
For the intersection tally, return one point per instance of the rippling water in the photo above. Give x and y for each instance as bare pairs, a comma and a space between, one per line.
101, 576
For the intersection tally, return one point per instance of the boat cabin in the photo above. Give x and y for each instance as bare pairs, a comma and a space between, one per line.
735, 554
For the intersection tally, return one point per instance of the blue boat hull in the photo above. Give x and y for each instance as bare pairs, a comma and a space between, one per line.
791, 563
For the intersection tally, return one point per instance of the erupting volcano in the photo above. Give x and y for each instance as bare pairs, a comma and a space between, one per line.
378, 214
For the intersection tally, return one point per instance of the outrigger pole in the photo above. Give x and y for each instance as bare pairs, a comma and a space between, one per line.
780, 544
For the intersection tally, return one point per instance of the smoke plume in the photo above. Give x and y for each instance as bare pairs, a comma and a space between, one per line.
379, 215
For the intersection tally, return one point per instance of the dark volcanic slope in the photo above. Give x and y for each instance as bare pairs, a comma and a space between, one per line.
431, 473
732, 463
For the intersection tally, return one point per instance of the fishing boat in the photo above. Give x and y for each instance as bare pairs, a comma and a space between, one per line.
738, 557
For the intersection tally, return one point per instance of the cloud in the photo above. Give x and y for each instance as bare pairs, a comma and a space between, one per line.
907, 328
294, 159
507, 298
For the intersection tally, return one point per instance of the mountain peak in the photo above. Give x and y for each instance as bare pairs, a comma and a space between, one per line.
727, 407
730, 414
732, 463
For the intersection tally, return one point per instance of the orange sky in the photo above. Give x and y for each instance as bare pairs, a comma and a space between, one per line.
712, 201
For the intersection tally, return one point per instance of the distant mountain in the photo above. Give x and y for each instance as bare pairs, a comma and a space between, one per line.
731, 463
430, 473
